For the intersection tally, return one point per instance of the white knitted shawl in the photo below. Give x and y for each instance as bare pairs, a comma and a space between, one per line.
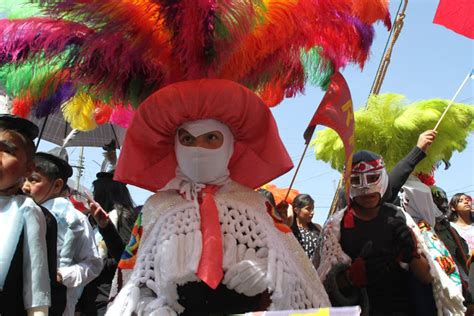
448, 297
170, 251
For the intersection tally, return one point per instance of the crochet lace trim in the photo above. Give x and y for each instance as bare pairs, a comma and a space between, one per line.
171, 248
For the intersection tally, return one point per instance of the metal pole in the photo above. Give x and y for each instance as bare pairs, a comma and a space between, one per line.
80, 168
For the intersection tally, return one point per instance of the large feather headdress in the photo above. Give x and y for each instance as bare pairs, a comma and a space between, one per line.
113, 53
390, 126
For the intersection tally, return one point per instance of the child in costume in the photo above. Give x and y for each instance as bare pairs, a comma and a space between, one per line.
371, 244
78, 257
208, 243
24, 281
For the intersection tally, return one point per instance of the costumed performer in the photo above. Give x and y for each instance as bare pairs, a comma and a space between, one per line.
372, 250
208, 243
416, 199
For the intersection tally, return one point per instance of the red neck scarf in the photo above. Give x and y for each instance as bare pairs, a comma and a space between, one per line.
210, 265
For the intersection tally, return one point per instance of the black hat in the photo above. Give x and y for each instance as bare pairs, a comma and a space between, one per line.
20, 125
59, 157
364, 155
103, 174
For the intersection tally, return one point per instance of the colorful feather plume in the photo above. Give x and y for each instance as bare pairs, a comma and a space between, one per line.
79, 112
119, 52
390, 126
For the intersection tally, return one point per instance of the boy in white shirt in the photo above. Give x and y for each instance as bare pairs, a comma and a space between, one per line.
79, 260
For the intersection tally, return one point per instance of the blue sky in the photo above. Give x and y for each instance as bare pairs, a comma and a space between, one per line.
428, 61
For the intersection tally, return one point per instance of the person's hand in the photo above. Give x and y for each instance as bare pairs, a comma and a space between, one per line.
357, 271
59, 277
100, 216
426, 139
404, 239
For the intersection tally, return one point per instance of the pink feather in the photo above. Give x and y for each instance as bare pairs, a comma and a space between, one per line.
23, 37
122, 116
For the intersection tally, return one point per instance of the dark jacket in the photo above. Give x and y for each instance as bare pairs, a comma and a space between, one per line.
95, 296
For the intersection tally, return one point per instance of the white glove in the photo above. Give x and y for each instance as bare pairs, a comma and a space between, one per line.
247, 277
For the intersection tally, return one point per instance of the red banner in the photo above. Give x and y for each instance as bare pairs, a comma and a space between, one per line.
336, 112
456, 15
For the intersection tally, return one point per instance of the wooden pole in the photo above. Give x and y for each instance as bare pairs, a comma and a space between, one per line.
296, 171
452, 100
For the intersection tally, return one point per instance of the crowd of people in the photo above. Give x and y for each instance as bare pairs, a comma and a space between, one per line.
206, 242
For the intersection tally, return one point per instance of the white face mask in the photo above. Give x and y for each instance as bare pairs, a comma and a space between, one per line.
201, 165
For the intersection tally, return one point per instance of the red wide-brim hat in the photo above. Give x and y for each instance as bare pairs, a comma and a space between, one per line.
148, 159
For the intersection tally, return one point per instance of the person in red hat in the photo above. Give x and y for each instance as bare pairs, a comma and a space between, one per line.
208, 243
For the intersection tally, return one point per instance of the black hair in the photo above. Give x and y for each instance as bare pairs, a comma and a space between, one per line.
452, 206
109, 193
50, 170
268, 195
302, 200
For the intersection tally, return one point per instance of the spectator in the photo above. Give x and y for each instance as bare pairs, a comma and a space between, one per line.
79, 261
306, 232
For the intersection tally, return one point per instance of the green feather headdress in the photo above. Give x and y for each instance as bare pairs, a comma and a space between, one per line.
390, 127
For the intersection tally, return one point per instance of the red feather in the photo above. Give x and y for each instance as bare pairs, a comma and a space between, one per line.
22, 106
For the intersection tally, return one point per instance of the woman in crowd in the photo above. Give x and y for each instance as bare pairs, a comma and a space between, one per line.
460, 206
305, 231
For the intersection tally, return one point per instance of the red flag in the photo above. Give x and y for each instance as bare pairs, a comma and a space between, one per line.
335, 111
456, 15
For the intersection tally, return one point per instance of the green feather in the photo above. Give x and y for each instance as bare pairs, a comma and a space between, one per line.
18, 9
391, 128
316, 69
30, 76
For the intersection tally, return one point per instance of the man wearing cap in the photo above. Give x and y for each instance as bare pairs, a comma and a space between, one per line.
78, 257
24, 281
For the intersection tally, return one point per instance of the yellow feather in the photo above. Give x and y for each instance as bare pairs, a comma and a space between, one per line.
79, 112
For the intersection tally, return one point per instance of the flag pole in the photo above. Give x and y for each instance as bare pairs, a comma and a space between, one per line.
379, 76
296, 171
385, 61
452, 100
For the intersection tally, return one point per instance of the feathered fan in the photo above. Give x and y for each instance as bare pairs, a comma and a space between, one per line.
391, 128
119, 52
